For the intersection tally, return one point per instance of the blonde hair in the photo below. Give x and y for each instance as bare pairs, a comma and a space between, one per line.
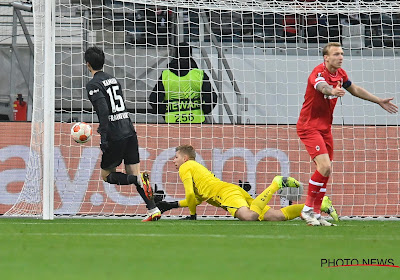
187, 150
325, 50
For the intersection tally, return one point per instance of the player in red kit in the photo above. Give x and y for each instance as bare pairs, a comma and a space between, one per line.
326, 83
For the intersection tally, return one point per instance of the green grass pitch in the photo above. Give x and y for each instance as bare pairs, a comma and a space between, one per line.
172, 249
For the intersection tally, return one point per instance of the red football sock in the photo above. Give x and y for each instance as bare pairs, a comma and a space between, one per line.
316, 182
320, 196
318, 199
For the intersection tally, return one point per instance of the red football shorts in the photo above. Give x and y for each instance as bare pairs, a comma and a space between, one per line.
317, 142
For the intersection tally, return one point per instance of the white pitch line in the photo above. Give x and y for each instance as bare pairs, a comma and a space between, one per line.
224, 236
184, 223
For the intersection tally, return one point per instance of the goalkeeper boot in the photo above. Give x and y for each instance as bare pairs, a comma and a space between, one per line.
284, 182
324, 222
328, 208
309, 217
146, 185
152, 215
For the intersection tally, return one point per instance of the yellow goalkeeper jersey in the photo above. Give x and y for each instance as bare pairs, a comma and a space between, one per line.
200, 184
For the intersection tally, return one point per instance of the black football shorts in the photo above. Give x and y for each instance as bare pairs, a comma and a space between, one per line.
126, 150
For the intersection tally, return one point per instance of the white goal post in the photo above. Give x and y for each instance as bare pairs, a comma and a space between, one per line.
257, 55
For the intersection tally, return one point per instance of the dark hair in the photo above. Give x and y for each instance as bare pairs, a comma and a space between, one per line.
328, 46
183, 50
187, 150
182, 61
95, 57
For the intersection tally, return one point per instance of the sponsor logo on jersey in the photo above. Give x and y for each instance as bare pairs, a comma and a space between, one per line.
330, 97
93, 91
119, 116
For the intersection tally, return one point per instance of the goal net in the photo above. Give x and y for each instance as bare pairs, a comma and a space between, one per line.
257, 55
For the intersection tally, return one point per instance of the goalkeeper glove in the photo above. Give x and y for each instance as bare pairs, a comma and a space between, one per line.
165, 206
159, 195
191, 217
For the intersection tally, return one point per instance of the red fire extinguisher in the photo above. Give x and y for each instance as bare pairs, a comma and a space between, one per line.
20, 108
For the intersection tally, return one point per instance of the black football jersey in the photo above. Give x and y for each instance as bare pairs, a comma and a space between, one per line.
106, 86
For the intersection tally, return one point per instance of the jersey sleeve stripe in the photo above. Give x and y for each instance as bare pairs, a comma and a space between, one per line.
315, 86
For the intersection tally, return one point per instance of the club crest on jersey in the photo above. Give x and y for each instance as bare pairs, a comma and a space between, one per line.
317, 148
319, 78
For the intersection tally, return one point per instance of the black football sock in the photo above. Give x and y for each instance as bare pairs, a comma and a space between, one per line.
150, 204
120, 178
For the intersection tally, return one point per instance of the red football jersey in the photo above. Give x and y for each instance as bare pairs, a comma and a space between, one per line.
317, 110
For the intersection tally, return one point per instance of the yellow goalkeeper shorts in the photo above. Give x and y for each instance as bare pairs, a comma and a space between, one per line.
231, 197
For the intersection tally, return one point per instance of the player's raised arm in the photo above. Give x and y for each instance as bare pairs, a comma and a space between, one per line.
362, 93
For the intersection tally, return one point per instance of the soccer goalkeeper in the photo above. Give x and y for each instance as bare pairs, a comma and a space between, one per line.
201, 185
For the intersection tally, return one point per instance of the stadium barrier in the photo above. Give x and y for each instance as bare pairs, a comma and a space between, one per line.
365, 180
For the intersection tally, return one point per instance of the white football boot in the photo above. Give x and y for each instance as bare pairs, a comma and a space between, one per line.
325, 223
308, 216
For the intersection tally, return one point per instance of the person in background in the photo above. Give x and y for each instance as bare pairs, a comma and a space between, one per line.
183, 93
20, 108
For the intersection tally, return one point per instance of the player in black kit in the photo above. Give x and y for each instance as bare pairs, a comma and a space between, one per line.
118, 136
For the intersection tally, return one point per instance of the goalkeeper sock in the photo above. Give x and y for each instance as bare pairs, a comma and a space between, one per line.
314, 185
265, 210
292, 211
262, 200
120, 178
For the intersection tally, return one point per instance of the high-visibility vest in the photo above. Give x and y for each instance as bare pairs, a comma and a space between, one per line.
183, 96
19, 110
